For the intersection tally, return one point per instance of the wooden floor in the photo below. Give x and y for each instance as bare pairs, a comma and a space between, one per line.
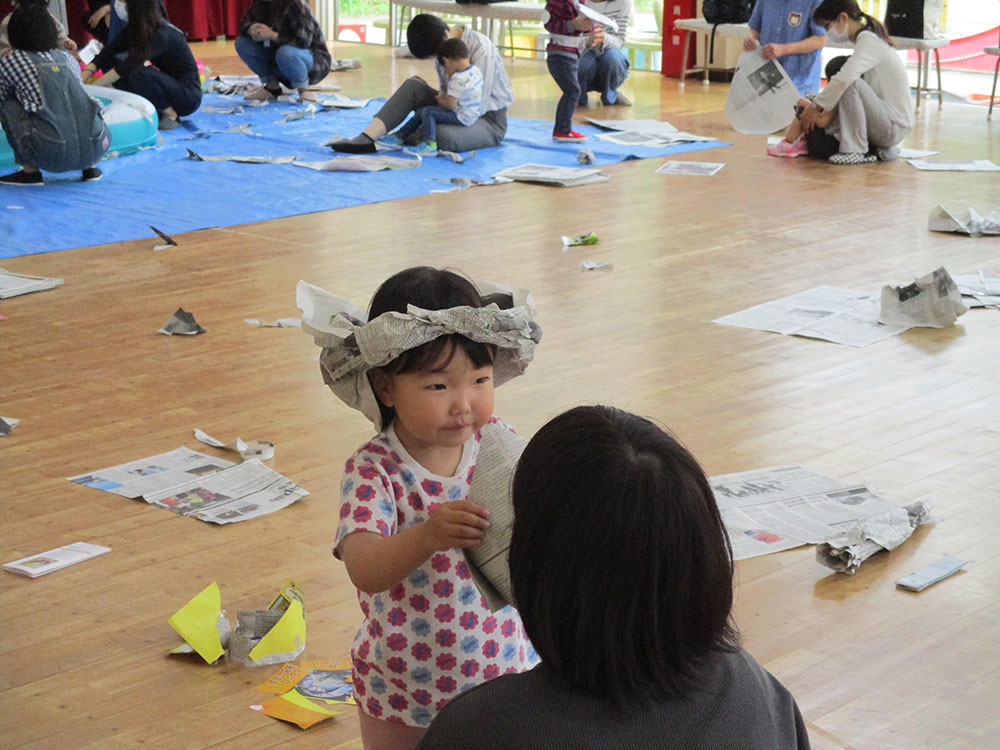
83, 650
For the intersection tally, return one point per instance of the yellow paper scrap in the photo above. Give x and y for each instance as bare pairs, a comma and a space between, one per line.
296, 709
197, 622
287, 636
289, 593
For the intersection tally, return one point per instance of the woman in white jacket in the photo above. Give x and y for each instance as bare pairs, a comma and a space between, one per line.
871, 93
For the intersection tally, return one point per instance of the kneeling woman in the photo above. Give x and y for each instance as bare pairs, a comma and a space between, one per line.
172, 84
48, 118
874, 112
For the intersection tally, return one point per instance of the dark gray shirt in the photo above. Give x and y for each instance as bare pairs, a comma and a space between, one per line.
741, 707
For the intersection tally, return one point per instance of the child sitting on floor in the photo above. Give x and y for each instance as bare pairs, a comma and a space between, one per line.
460, 103
816, 143
50, 121
64, 41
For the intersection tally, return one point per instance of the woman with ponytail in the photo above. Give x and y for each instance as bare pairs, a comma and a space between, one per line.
871, 92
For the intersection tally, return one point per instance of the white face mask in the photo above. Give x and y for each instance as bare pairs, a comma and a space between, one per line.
121, 10
835, 36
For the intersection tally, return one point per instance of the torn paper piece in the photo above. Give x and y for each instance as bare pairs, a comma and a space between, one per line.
595, 265
762, 98
254, 449
345, 64
548, 174
247, 490
843, 316
55, 559
657, 128
13, 284
182, 323
886, 531
467, 182
243, 159
295, 709
582, 239
904, 153
979, 165
279, 323
932, 301
291, 673
308, 111
457, 158
236, 110
362, 163
168, 241
339, 101
699, 168
964, 220
593, 15
936, 571
585, 156
202, 624
268, 636
7, 424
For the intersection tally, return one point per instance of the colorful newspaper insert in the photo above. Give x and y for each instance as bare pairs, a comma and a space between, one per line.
55, 559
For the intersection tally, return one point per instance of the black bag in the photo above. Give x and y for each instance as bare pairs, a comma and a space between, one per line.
725, 11
912, 19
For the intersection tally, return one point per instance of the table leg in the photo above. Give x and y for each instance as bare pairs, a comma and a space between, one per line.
684, 57
705, 53
937, 63
390, 30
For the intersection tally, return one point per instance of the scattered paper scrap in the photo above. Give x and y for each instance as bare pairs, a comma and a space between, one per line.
7, 424
361, 163
548, 174
980, 289
55, 559
202, 624
308, 111
13, 284
582, 239
762, 98
291, 674
182, 323
168, 241
235, 110
932, 301
279, 323
344, 64
243, 159
904, 153
328, 680
339, 101
593, 15
843, 316
657, 128
585, 156
936, 571
254, 449
964, 221
595, 265
147, 475
845, 552
979, 165
457, 158
699, 168
295, 708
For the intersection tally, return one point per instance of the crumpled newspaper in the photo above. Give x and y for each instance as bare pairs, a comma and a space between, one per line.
965, 221
181, 322
886, 531
457, 158
7, 424
253, 449
932, 301
585, 156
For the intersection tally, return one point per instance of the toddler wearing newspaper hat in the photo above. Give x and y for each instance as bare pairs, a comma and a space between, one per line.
423, 369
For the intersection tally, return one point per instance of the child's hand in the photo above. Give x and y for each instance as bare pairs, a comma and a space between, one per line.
582, 23
459, 523
749, 43
773, 50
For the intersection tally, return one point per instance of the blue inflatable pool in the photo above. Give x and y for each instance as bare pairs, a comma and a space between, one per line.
131, 119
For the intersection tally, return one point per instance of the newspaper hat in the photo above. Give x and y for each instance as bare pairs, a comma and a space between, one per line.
352, 344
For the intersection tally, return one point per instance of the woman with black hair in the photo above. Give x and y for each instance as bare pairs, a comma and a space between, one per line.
871, 92
424, 35
622, 573
282, 43
172, 84
48, 119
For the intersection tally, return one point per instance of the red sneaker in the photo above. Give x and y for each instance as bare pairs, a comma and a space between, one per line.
571, 137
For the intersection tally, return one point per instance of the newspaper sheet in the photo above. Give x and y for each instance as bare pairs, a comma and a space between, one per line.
55, 559
499, 451
631, 138
149, 475
932, 301
981, 289
762, 97
654, 128
243, 159
361, 163
697, 168
13, 284
339, 101
551, 175
964, 221
979, 165
244, 491
781, 507
845, 552
839, 315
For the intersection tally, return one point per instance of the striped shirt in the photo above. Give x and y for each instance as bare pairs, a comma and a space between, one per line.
497, 93
19, 77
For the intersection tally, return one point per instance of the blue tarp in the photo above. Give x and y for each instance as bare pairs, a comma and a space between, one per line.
162, 187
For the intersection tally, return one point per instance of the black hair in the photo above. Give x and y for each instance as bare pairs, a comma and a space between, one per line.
144, 18
31, 28
619, 560
834, 65
829, 10
425, 34
452, 49
430, 289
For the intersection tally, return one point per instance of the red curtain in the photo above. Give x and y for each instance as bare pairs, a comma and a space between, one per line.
199, 19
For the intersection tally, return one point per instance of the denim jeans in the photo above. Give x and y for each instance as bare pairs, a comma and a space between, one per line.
428, 118
563, 68
289, 64
603, 72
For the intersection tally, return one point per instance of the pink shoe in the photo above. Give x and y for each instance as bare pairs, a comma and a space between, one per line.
790, 150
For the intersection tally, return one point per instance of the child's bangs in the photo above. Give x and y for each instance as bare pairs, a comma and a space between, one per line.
437, 354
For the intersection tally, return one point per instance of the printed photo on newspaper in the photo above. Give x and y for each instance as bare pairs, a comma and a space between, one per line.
762, 97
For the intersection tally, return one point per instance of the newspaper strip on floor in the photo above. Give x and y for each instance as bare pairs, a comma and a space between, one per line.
13, 284
978, 165
843, 316
762, 98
